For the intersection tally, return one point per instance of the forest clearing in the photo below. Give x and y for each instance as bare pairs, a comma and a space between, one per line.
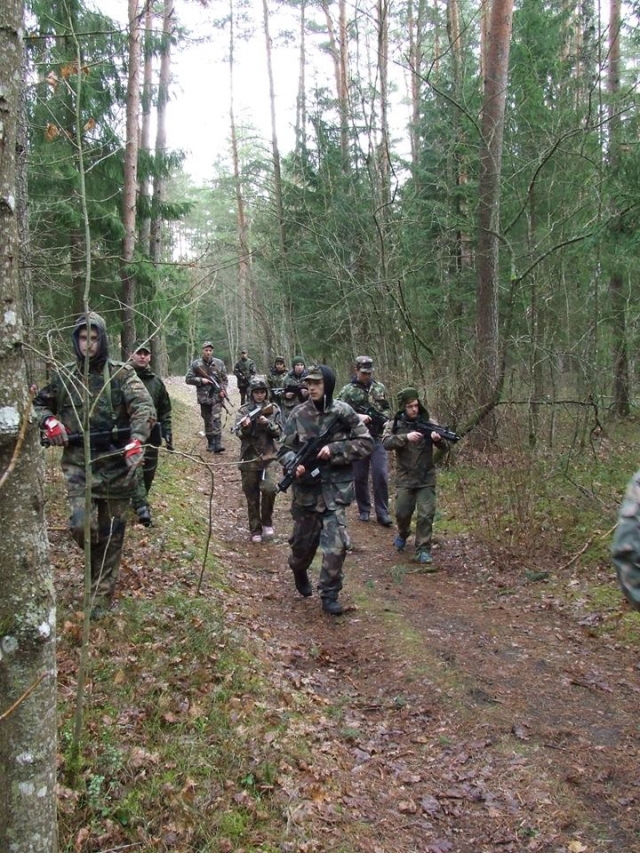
489, 707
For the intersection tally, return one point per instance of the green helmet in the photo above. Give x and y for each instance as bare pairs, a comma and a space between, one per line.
257, 383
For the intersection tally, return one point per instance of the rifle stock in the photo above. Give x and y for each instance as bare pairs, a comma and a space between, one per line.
253, 416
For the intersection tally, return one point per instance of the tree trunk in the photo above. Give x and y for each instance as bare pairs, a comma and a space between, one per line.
301, 100
130, 180
338, 46
27, 606
492, 125
158, 345
275, 152
621, 386
145, 127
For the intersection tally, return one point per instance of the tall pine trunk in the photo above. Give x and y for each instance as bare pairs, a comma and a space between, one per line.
27, 605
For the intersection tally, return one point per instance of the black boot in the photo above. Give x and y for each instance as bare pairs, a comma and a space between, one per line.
302, 582
144, 516
217, 446
211, 446
330, 604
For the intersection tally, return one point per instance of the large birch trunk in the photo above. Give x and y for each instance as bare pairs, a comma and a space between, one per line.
27, 606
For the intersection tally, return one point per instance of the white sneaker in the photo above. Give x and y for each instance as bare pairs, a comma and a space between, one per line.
256, 538
268, 532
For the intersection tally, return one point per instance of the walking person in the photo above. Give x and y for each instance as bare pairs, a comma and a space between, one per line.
209, 375
323, 488
415, 473
244, 370
259, 426
295, 387
369, 399
119, 419
140, 358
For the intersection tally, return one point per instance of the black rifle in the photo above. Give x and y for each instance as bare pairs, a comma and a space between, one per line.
296, 390
427, 427
216, 387
98, 439
378, 419
253, 416
277, 393
308, 455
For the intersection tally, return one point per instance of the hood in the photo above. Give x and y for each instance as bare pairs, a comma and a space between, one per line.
95, 321
329, 379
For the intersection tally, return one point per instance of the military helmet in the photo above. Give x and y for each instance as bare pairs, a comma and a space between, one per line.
257, 383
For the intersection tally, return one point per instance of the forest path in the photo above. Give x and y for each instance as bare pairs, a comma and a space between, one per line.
475, 709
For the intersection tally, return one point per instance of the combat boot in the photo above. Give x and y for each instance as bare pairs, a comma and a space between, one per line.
211, 444
330, 604
302, 582
144, 515
217, 447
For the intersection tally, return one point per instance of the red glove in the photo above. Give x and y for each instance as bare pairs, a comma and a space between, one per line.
133, 453
55, 432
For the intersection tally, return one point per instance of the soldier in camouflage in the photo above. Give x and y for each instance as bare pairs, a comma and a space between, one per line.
258, 465
415, 474
209, 376
120, 417
626, 543
277, 375
295, 387
319, 503
365, 392
244, 370
140, 357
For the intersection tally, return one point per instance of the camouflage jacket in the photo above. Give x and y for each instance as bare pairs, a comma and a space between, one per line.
295, 389
119, 401
351, 441
362, 397
213, 369
243, 370
258, 441
275, 381
162, 402
626, 543
414, 462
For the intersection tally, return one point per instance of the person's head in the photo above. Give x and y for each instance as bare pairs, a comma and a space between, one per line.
258, 389
298, 365
321, 381
364, 369
243, 353
90, 336
278, 362
410, 406
140, 355
207, 350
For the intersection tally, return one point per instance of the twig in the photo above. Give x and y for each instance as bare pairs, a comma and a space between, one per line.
22, 698
587, 545
21, 435
209, 531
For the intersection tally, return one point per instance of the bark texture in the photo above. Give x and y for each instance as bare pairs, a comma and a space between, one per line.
27, 606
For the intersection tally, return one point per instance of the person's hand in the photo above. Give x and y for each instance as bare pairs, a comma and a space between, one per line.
263, 421
55, 432
324, 452
245, 422
300, 471
168, 440
133, 454
435, 436
414, 436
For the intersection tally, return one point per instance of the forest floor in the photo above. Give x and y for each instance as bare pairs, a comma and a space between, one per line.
480, 708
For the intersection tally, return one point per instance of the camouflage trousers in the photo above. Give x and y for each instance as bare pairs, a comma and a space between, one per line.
328, 530
143, 477
107, 541
422, 501
211, 414
259, 487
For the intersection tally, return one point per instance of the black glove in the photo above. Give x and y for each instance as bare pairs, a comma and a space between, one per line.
168, 440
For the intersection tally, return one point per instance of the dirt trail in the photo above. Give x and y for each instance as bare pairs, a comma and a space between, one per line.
465, 711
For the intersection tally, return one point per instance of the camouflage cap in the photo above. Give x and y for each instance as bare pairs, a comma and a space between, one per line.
243, 352
315, 373
364, 363
207, 344
278, 358
140, 345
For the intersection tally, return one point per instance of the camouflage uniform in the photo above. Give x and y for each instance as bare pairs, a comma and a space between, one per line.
626, 543
119, 401
244, 370
146, 472
276, 381
371, 394
415, 475
319, 504
295, 389
209, 399
258, 466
